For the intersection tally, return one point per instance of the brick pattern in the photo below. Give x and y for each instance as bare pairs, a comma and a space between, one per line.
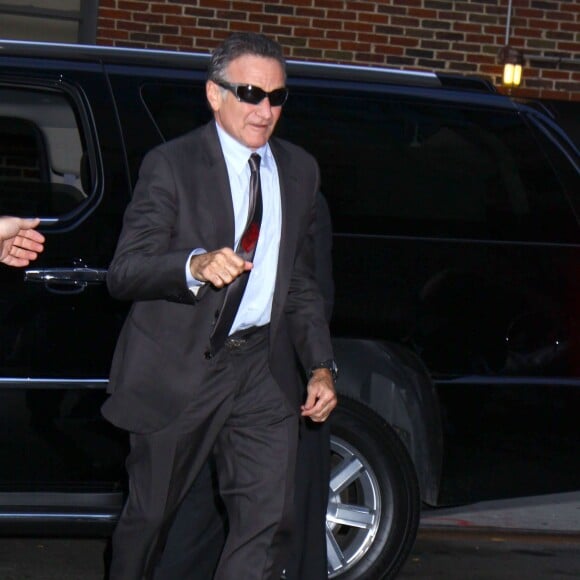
451, 36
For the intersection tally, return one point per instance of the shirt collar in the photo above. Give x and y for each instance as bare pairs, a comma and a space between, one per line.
237, 155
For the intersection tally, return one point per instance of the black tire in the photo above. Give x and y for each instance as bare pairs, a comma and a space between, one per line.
372, 470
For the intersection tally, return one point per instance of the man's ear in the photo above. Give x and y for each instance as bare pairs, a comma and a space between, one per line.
214, 95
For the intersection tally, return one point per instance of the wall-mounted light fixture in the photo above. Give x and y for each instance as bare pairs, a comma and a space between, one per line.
511, 58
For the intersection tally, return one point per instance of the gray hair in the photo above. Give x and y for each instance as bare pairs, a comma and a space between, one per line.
241, 44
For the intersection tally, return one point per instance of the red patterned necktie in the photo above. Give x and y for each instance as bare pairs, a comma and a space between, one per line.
246, 249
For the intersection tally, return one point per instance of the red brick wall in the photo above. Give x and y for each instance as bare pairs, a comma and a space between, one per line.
443, 35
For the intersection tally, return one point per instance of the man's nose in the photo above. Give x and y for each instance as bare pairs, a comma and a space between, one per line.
264, 107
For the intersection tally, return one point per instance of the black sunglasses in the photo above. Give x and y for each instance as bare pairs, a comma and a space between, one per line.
254, 95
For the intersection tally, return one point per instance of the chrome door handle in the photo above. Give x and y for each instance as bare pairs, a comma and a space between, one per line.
66, 280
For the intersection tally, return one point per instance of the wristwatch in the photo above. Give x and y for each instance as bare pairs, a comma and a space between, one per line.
329, 364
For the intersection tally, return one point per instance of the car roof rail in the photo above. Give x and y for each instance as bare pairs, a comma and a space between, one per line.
308, 69
350, 72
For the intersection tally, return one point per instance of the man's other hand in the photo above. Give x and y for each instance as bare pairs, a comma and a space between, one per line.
321, 396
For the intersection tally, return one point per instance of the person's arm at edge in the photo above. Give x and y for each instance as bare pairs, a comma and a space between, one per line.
20, 242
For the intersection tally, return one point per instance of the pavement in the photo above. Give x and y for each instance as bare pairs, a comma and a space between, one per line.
558, 513
496, 547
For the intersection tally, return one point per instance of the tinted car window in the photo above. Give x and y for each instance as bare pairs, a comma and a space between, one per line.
44, 170
392, 165
176, 109
385, 164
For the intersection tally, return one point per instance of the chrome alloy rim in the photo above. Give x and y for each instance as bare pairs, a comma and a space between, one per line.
354, 508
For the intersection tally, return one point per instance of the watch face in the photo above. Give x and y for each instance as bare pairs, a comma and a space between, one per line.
334, 371
330, 365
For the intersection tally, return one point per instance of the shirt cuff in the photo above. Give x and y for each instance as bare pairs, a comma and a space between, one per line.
192, 283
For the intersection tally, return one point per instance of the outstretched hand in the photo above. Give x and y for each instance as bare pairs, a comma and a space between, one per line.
20, 243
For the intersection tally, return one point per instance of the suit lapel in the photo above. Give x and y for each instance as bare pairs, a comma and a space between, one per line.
216, 183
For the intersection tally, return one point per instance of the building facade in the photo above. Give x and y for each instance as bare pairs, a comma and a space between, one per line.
442, 35
455, 36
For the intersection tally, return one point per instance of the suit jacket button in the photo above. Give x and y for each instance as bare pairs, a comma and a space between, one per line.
207, 355
216, 314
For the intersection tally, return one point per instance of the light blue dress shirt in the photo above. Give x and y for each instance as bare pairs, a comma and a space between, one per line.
256, 305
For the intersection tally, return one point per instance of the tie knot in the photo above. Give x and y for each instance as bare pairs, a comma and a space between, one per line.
254, 162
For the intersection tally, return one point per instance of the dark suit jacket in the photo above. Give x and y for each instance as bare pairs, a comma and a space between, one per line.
183, 201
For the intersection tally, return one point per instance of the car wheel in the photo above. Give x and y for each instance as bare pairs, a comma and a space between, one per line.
374, 503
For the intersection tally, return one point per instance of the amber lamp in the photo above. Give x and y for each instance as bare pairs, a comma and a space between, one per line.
512, 60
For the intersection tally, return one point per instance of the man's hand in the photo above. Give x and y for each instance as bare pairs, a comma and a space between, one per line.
321, 398
20, 243
219, 268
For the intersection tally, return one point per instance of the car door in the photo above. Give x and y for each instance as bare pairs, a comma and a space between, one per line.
156, 105
63, 161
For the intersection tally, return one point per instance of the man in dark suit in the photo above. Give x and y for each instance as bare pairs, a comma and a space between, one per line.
199, 529
193, 374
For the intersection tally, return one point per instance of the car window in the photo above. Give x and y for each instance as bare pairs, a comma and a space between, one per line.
401, 166
394, 165
44, 169
176, 108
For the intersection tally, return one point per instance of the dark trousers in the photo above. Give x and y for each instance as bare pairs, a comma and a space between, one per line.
242, 415
197, 535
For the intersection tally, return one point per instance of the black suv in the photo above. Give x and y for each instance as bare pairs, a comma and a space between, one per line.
456, 253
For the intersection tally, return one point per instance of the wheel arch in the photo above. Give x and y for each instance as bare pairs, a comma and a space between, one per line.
393, 382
